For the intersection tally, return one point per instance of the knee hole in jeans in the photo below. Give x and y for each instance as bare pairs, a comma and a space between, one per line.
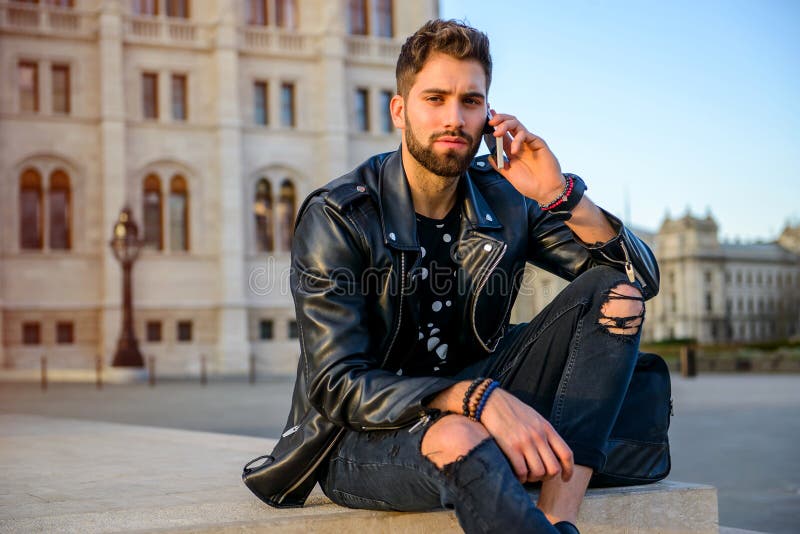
451, 439
622, 312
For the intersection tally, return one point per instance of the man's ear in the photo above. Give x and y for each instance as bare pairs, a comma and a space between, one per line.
396, 107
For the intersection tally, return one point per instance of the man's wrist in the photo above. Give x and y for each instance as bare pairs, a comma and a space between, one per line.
449, 400
554, 194
572, 194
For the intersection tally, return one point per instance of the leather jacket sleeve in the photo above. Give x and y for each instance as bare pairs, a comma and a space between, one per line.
340, 358
553, 246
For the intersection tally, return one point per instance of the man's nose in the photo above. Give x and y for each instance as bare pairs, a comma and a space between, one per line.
454, 117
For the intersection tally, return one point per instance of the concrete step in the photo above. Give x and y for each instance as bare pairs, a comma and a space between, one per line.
69, 475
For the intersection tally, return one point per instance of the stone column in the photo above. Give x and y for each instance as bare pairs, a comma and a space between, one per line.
333, 150
232, 345
111, 168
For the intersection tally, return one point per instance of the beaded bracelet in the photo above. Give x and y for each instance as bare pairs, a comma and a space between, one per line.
468, 394
562, 197
476, 397
482, 404
561, 208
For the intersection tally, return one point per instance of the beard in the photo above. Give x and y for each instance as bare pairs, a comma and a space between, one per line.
451, 164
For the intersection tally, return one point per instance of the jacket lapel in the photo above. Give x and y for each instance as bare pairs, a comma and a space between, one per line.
476, 209
396, 207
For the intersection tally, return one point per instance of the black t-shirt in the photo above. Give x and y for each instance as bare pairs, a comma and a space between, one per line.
436, 289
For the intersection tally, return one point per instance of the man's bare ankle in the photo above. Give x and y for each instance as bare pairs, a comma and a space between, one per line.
556, 517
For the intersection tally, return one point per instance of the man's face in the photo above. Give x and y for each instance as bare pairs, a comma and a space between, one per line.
444, 113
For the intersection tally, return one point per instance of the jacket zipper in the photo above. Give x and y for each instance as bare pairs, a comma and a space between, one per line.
628, 265
630, 270
396, 331
291, 431
399, 308
482, 283
424, 419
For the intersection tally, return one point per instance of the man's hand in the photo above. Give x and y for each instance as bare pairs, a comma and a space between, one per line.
534, 171
532, 168
530, 443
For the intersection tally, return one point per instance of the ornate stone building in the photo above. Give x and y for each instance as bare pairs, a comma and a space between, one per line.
212, 119
719, 292
711, 291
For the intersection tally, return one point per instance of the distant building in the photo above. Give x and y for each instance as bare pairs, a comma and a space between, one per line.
710, 291
724, 292
213, 119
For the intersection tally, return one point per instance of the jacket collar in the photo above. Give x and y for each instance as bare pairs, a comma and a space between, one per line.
398, 219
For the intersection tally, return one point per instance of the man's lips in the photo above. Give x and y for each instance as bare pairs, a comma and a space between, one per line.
451, 141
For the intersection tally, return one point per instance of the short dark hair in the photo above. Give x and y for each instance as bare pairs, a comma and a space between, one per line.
451, 37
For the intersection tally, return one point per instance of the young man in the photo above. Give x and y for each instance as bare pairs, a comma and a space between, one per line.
404, 274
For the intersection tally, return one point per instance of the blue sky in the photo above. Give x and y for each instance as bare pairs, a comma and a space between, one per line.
674, 104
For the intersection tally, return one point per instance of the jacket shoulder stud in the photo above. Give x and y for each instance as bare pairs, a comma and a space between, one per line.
344, 195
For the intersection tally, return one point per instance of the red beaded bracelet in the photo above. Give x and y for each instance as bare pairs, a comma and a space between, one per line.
561, 198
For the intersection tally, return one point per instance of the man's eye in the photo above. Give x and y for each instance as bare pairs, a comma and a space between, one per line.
434, 99
472, 101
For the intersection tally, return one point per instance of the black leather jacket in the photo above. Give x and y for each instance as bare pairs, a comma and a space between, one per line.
353, 254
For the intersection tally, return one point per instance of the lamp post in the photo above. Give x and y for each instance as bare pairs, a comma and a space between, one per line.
126, 245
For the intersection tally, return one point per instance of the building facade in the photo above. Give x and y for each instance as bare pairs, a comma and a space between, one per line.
720, 292
212, 120
712, 292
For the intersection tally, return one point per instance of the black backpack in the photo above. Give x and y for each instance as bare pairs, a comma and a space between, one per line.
638, 450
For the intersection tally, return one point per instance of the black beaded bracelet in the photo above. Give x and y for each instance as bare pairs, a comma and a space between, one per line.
470, 390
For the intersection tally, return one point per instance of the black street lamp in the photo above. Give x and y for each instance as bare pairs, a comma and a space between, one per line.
126, 246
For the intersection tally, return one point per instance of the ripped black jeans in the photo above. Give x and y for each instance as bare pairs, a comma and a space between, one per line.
571, 363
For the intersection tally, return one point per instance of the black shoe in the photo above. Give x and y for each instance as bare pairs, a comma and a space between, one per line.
565, 527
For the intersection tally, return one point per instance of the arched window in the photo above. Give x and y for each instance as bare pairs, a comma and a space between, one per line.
178, 213
262, 211
60, 211
152, 213
30, 210
286, 213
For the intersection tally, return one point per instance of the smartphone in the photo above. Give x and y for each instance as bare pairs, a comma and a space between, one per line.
491, 141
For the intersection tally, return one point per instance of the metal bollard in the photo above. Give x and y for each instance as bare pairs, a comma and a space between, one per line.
203, 375
688, 361
252, 368
152, 368
98, 367
44, 373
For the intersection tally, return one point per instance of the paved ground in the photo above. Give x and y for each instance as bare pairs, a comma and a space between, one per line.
736, 432
740, 433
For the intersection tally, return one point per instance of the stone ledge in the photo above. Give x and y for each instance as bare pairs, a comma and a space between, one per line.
79, 476
664, 508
